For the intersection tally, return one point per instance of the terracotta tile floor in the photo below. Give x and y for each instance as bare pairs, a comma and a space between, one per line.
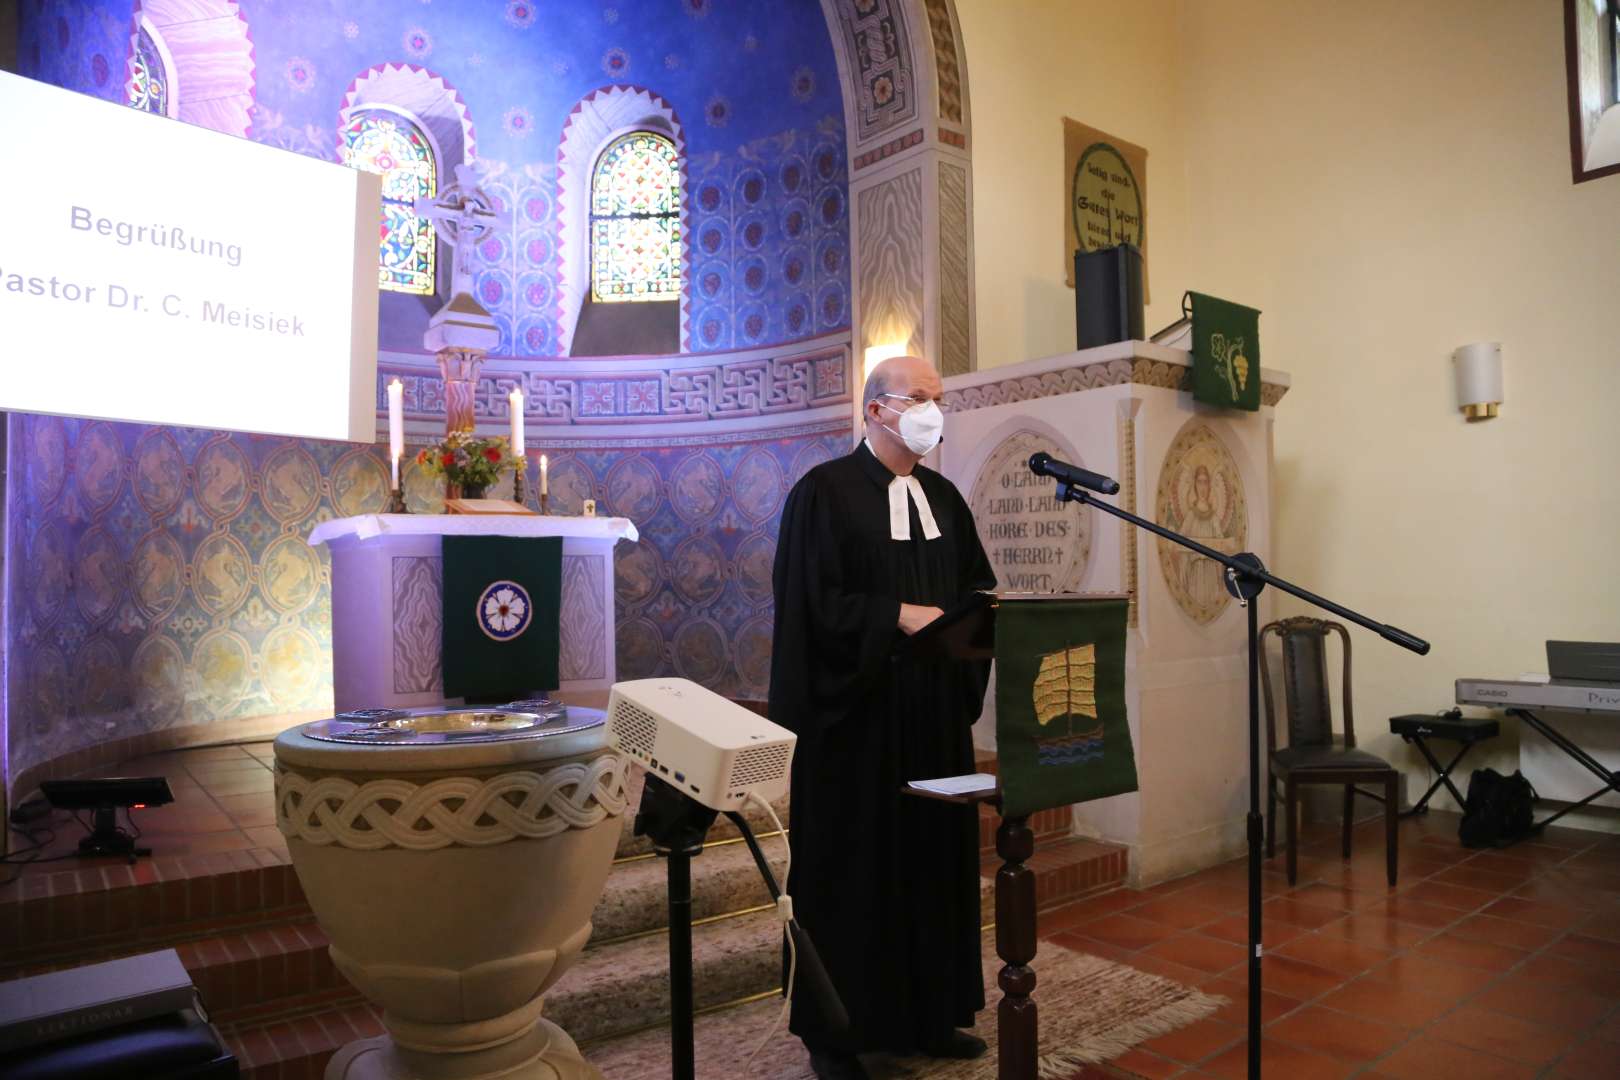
1479, 965
222, 802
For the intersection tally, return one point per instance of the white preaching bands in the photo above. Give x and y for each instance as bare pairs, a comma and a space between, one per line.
899, 518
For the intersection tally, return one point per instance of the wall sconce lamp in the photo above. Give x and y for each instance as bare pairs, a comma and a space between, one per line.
876, 354
1479, 379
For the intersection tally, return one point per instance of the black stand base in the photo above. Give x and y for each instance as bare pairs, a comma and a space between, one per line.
106, 838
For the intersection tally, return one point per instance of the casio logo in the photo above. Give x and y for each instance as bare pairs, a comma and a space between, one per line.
1487, 692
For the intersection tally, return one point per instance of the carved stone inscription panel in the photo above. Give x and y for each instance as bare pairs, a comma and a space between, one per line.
1036, 543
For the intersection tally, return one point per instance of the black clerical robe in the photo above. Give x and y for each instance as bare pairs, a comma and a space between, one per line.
886, 884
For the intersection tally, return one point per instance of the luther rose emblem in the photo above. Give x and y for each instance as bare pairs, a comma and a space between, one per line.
504, 611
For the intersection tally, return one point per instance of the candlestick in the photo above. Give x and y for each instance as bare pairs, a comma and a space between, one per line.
545, 489
396, 494
394, 469
396, 421
519, 493
515, 400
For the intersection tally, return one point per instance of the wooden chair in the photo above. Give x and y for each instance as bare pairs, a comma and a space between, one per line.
1314, 754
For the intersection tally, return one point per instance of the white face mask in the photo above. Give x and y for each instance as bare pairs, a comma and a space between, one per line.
921, 426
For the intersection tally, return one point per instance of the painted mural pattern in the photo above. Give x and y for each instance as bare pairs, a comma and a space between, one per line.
766, 169
160, 576
163, 579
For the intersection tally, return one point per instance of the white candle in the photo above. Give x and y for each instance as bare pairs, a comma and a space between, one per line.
515, 400
543, 489
396, 422
395, 459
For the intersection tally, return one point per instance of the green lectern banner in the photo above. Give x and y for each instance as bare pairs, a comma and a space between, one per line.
1061, 733
1226, 353
502, 595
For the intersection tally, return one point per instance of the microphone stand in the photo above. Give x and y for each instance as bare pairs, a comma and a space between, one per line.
1245, 577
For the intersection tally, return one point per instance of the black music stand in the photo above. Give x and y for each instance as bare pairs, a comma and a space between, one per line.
968, 632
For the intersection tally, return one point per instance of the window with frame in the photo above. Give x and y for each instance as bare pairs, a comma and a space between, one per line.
1592, 59
391, 145
149, 83
636, 220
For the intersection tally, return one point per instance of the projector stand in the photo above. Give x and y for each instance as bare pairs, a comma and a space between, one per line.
677, 824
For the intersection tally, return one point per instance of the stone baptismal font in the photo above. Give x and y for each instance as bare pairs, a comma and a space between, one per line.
453, 857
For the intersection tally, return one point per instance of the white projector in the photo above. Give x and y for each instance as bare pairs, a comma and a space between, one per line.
699, 743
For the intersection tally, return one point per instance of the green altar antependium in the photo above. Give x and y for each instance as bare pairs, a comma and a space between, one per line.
1226, 352
1061, 731
502, 597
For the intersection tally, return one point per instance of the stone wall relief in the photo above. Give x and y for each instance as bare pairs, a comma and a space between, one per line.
1200, 494
1035, 543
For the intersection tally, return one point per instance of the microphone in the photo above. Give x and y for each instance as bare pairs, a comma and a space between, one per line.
1044, 464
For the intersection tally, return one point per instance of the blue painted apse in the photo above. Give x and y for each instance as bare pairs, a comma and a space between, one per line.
159, 576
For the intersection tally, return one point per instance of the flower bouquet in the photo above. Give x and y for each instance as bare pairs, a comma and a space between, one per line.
468, 463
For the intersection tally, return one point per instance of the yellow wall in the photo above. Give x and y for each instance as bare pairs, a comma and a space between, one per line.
1387, 180
1031, 63
1390, 180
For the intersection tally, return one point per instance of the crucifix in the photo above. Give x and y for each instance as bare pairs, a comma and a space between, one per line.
465, 215
461, 332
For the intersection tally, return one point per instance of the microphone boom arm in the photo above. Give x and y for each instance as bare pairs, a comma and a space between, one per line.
1246, 571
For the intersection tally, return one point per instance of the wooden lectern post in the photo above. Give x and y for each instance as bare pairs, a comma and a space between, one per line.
968, 633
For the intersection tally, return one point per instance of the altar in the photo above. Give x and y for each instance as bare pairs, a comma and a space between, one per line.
1126, 410
387, 615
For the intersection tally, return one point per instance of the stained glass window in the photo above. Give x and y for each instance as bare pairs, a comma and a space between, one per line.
636, 220
148, 76
389, 144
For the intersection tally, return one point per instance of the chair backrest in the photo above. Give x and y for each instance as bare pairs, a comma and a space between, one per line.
1305, 682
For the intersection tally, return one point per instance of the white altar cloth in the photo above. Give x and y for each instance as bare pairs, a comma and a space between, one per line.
387, 572
368, 526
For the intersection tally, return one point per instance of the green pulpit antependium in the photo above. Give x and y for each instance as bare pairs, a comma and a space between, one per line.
1226, 352
502, 596
1061, 730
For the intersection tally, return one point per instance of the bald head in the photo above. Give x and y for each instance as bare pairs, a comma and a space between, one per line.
908, 376
905, 377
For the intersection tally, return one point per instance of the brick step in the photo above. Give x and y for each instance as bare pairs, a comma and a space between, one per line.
266, 972
1069, 870
105, 908
1056, 823
96, 912
298, 1048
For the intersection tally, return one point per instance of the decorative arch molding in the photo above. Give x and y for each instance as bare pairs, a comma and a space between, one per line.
600, 117
907, 113
427, 98
430, 102
210, 56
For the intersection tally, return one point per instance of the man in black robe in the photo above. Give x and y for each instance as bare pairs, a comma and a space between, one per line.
873, 547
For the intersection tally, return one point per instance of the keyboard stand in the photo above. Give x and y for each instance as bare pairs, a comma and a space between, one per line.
1611, 781
1419, 729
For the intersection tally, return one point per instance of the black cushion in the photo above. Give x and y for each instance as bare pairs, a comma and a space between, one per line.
1305, 758
178, 1045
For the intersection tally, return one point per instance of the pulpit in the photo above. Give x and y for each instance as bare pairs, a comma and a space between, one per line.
1126, 410
387, 607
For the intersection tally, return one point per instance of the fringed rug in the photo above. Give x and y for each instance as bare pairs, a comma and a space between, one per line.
1091, 1010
